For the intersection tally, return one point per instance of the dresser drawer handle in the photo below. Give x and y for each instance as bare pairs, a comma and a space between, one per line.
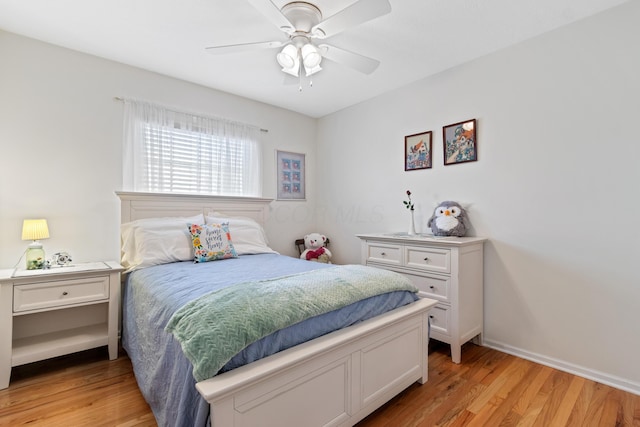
432, 287
383, 254
65, 293
426, 258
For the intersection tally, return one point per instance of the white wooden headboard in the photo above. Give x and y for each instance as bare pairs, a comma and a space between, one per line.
134, 205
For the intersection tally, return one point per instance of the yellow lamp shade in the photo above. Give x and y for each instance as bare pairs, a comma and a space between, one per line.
35, 229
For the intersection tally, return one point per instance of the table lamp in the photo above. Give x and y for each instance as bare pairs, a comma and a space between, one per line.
35, 229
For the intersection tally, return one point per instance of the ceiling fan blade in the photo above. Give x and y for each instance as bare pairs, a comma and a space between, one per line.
273, 14
243, 47
358, 62
359, 12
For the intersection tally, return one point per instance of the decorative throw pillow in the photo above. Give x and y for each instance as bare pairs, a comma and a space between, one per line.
211, 242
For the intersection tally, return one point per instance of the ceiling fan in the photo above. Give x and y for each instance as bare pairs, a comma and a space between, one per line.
302, 22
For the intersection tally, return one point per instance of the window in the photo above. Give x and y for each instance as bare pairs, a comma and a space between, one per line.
174, 152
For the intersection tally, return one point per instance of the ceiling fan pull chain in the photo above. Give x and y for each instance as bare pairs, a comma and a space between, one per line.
300, 78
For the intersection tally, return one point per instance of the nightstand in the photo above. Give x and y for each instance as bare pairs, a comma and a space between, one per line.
57, 311
446, 269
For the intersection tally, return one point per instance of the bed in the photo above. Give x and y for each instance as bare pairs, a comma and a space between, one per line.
331, 370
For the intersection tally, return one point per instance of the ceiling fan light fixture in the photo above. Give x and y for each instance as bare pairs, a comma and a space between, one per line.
312, 70
310, 56
294, 71
288, 57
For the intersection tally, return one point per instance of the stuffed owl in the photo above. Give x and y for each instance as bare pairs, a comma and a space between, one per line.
449, 219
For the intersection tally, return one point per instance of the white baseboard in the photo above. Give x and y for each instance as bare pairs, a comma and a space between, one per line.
601, 377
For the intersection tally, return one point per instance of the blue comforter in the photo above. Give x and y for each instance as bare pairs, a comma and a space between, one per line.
152, 295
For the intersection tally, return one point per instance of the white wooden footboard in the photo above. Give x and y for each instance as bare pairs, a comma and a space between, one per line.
334, 380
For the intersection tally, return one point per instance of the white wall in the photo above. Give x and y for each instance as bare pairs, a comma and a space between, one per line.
60, 146
555, 187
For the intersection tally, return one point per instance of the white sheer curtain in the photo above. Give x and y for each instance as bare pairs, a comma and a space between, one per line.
176, 152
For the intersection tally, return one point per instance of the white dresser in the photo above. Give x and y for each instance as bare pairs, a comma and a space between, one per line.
48, 313
447, 269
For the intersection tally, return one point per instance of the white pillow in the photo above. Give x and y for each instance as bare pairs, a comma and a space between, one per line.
153, 241
247, 235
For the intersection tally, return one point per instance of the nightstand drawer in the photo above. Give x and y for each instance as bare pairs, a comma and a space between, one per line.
433, 287
429, 259
386, 254
439, 319
38, 296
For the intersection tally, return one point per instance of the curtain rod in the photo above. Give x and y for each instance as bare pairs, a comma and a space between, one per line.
118, 98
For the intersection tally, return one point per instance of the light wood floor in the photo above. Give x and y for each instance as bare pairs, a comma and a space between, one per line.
489, 388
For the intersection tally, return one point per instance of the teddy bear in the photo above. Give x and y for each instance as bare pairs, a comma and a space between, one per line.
315, 250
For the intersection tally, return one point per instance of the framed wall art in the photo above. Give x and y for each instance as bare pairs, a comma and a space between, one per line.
417, 151
460, 142
291, 179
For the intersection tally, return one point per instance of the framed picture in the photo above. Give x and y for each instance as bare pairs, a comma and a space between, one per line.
460, 142
417, 151
291, 170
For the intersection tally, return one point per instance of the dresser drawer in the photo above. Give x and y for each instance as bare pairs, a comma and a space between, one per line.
428, 259
384, 253
439, 319
438, 288
38, 296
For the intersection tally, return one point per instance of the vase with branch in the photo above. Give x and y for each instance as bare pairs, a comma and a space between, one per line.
409, 205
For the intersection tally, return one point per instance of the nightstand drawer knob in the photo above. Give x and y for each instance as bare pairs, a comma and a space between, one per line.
426, 258
65, 293
383, 253
432, 287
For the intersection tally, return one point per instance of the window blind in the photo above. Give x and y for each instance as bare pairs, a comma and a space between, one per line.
176, 152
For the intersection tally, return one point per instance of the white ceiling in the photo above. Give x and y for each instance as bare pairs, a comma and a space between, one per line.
417, 39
